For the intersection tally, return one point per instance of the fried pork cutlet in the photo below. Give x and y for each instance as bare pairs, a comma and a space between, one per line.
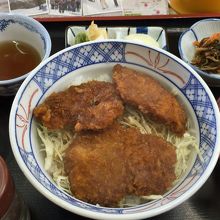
105, 166
92, 105
150, 97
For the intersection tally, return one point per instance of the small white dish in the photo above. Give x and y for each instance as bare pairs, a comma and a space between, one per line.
198, 31
157, 33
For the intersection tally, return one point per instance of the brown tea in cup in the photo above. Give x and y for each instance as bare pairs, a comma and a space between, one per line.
16, 59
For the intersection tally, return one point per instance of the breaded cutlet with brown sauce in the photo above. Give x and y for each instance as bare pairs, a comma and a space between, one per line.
90, 106
150, 97
105, 166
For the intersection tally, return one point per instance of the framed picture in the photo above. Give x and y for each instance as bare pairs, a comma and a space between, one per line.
96, 7
65, 7
29, 7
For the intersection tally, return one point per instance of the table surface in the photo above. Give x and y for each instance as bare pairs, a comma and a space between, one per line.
205, 204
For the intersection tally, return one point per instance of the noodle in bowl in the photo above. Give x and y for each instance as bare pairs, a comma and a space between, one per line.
197, 151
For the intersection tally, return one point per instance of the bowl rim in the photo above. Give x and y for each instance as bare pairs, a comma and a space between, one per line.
44, 32
91, 213
190, 29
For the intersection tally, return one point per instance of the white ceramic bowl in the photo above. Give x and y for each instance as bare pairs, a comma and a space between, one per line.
26, 29
88, 61
201, 29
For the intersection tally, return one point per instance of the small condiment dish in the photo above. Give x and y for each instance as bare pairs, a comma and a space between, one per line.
198, 31
157, 33
20, 28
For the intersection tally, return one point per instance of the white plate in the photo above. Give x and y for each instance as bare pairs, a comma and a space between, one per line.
157, 33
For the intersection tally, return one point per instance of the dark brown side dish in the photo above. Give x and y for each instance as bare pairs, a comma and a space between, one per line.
207, 54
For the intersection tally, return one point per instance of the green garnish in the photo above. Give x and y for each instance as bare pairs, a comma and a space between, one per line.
81, 37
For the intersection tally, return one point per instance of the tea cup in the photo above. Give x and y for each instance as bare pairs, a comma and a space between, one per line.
21, 28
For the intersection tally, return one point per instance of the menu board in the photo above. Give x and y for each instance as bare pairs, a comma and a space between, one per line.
85, 7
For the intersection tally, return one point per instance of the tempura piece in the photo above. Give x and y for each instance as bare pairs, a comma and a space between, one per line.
93, 105
105, 166
95, 33
150, 97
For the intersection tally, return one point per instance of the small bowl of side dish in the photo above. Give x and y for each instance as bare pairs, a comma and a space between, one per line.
206, 59
87, 172
24, 43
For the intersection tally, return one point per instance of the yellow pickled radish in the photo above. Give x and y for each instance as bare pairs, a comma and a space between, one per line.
96, 33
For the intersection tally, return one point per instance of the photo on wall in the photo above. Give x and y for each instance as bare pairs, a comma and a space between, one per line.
29, 7
65, 7
96, 7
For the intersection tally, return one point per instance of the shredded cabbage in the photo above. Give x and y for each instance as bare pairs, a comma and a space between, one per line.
54, 144
129, 201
